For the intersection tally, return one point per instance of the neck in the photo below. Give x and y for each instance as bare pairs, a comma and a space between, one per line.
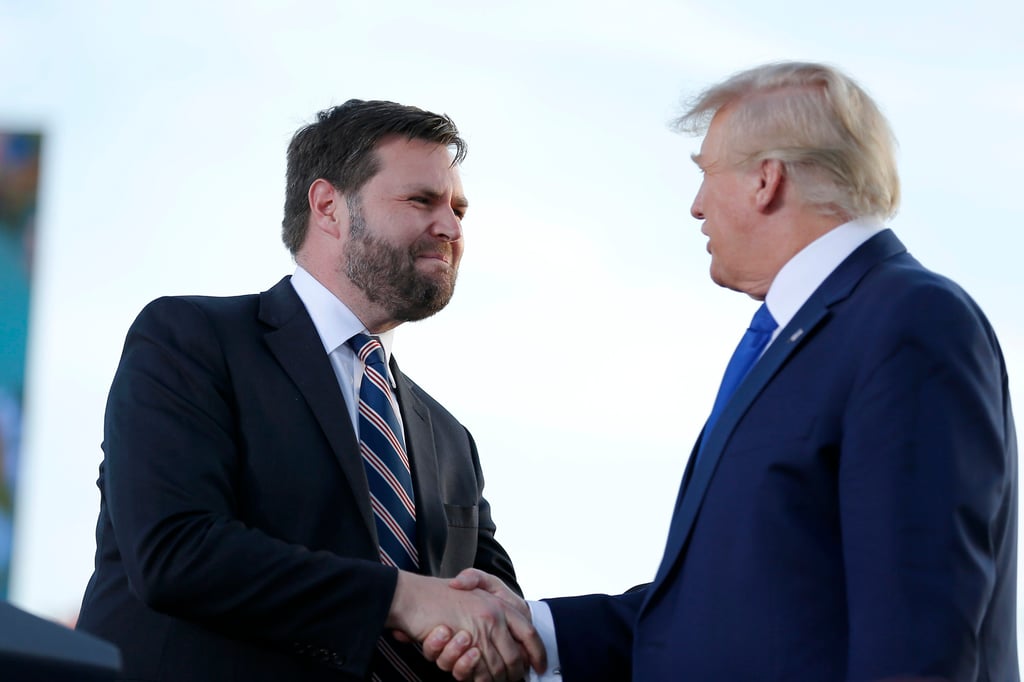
374, 318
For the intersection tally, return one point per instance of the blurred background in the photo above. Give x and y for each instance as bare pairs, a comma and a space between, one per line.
161, 130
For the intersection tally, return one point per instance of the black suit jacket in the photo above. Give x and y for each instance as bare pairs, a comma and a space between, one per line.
853, 515
235, 537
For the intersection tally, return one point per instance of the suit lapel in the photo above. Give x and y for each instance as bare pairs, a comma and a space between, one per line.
815, 312
297, 347
419, 436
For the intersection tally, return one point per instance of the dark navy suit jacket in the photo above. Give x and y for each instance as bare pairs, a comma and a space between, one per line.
853, 515
236, 539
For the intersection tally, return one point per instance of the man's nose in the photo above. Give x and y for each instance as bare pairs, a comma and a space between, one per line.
447, 226
696, 208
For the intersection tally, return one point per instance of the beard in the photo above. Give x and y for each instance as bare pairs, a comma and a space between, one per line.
387, 274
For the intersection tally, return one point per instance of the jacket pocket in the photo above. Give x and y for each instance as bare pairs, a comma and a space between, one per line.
462, 517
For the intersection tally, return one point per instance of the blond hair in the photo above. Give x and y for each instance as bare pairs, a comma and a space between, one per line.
833, 141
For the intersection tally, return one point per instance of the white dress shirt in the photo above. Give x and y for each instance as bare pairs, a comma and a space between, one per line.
336, 324
804, 273
790, 289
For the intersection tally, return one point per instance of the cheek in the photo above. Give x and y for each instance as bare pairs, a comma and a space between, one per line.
457, 249
715, 193
712, 197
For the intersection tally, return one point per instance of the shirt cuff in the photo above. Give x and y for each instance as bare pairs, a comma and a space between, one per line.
544, 623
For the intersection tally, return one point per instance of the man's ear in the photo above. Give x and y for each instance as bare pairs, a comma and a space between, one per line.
769, 190
326, 208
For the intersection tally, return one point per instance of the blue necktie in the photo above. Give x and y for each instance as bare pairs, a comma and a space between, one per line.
382, 446
743, 358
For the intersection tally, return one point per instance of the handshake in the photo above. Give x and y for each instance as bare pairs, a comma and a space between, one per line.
472, 626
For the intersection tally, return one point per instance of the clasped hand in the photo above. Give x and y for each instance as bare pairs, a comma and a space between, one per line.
472, 626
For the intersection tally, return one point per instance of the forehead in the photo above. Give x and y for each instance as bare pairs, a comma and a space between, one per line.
405, 161
714, 148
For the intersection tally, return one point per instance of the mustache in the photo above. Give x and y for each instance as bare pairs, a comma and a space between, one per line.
432, 247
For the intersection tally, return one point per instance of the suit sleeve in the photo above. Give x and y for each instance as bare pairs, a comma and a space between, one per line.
595, 635
927, 481
171, 457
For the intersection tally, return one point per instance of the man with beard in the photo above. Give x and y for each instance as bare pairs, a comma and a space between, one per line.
278, 501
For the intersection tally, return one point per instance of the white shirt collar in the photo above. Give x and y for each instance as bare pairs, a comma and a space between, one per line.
334, 321
805, 271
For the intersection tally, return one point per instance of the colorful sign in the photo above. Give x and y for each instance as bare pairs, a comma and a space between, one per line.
19, 183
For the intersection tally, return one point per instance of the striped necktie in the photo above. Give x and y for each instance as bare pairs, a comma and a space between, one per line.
382, 446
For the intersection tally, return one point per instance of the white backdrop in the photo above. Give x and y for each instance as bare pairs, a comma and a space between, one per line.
166, 125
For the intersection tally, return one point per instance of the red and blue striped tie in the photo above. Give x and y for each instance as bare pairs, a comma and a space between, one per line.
387, 465
382, 446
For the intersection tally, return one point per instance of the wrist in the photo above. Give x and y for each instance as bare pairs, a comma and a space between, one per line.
404, 601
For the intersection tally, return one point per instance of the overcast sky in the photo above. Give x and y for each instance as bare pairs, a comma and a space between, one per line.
165, 129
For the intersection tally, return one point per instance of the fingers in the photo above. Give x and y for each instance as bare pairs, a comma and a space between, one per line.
508, 645
510, 662
446, 652
466, 665
496, 655
471, 578
435, 643
491, 666
468, 579
485, 633
456, 654
464, 662
523, 631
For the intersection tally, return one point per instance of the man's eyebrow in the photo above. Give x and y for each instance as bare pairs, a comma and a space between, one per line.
425, 190
458, 200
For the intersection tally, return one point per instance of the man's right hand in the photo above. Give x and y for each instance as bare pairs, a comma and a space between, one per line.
495, 640
456, 652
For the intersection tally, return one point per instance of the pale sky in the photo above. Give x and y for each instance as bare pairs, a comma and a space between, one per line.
165, 129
